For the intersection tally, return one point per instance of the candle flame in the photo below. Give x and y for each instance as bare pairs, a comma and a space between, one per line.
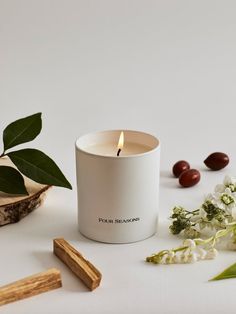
121, 141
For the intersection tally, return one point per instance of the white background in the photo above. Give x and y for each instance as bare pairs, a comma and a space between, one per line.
165, 67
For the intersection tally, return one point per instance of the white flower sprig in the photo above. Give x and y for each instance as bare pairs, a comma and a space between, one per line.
218, 212
192, 250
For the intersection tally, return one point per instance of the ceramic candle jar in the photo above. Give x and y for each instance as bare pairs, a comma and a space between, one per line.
117, 195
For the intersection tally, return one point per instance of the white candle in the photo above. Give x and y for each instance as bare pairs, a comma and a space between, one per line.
117, 195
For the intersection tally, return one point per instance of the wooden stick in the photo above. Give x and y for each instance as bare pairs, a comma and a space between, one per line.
82, 268
30, 286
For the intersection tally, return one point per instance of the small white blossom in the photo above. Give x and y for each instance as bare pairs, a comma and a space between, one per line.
171, 254
169, 257
219, 188
177, 210
163, 260
201, 253
202, 213
211, 253
209, 198
192, 257
189, 243
184, 257
226, 200
176, 259
229, 182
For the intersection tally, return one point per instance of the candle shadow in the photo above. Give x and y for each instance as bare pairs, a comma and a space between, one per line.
168, 180
69, 281
169, 184
166, 174
207, 170
50, 226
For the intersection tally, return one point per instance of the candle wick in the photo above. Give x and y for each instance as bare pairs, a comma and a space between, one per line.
118, 152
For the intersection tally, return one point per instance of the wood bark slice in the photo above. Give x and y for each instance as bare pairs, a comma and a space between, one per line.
15, 207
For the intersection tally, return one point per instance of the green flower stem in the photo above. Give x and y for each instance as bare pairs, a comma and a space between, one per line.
221, 233
155, 258
182, 248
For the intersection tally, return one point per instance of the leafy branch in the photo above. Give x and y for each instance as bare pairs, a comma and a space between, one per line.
30, 162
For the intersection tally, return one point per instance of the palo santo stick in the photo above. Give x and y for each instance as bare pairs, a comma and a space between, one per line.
30, 286
82, 268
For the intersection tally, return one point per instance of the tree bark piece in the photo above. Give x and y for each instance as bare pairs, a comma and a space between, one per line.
30, 286
82, 268
14, 207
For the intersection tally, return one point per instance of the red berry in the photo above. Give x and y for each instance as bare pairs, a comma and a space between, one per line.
217, 161
180, 167
189, 178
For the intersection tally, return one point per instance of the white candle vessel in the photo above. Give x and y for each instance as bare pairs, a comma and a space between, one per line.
118, 184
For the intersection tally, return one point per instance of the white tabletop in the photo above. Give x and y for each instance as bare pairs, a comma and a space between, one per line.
164, 67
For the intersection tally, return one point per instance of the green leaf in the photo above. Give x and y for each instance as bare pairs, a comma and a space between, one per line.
229, 272
11, 181
22, 131
37, 166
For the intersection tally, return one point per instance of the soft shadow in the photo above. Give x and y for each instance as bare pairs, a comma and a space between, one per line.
69, 281
50, 225
170, 184
166, 174
167, 180
205, 169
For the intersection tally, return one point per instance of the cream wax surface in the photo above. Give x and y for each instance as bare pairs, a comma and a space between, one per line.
110, 149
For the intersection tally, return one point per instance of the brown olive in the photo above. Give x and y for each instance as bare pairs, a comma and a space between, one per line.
217, 161
189, 178
179, 167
